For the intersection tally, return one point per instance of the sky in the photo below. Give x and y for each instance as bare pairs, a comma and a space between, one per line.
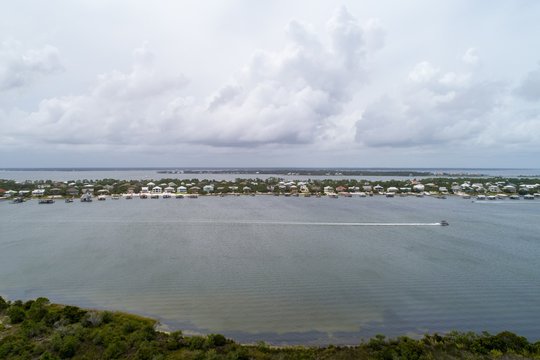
240, 83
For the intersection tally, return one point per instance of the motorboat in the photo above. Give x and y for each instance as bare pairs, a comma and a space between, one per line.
46, 201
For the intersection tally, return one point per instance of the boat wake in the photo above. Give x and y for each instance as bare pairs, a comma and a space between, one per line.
306, 223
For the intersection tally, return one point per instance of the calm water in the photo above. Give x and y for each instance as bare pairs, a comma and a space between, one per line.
265, 268
150, 174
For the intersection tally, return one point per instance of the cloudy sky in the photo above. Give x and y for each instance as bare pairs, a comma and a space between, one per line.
420, 83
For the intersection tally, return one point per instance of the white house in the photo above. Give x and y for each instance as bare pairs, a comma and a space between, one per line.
157, 190
328, 189
168, 190
144, 190
38, 192
208, 188
181, 189
419, 187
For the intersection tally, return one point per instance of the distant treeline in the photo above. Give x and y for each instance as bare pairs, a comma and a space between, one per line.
36, 329
305, 172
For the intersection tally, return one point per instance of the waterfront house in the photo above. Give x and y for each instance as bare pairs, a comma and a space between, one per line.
419, 188
144, 190
455, 188
341, 189
328, 189
38, 192
392, 189
72, 191
168, 190
378, 188
208, 188
181, 189
157, 190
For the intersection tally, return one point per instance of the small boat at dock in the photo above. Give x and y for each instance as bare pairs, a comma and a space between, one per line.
46, 201
86, 197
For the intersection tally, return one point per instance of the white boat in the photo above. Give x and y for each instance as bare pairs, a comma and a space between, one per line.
492, 197
86, 197
514, 197
481, 197
528, 197
101, 197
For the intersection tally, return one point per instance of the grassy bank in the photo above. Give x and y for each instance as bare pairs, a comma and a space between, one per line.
37, 329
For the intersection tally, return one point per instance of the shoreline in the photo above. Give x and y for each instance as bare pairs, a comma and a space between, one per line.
47, 330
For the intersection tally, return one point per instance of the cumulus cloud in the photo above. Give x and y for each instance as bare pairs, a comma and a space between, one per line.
433, 107
19, 67
291, 96
529, 88
471, 57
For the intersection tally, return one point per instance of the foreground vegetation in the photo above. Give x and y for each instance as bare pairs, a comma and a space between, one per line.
37, 329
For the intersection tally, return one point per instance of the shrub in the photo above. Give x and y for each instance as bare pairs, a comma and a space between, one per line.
3, 304
72, 314
16, 314
214, 340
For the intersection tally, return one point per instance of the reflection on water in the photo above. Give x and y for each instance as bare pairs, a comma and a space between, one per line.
268, 268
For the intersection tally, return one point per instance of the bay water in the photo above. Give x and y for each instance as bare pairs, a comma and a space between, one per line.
282, 269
